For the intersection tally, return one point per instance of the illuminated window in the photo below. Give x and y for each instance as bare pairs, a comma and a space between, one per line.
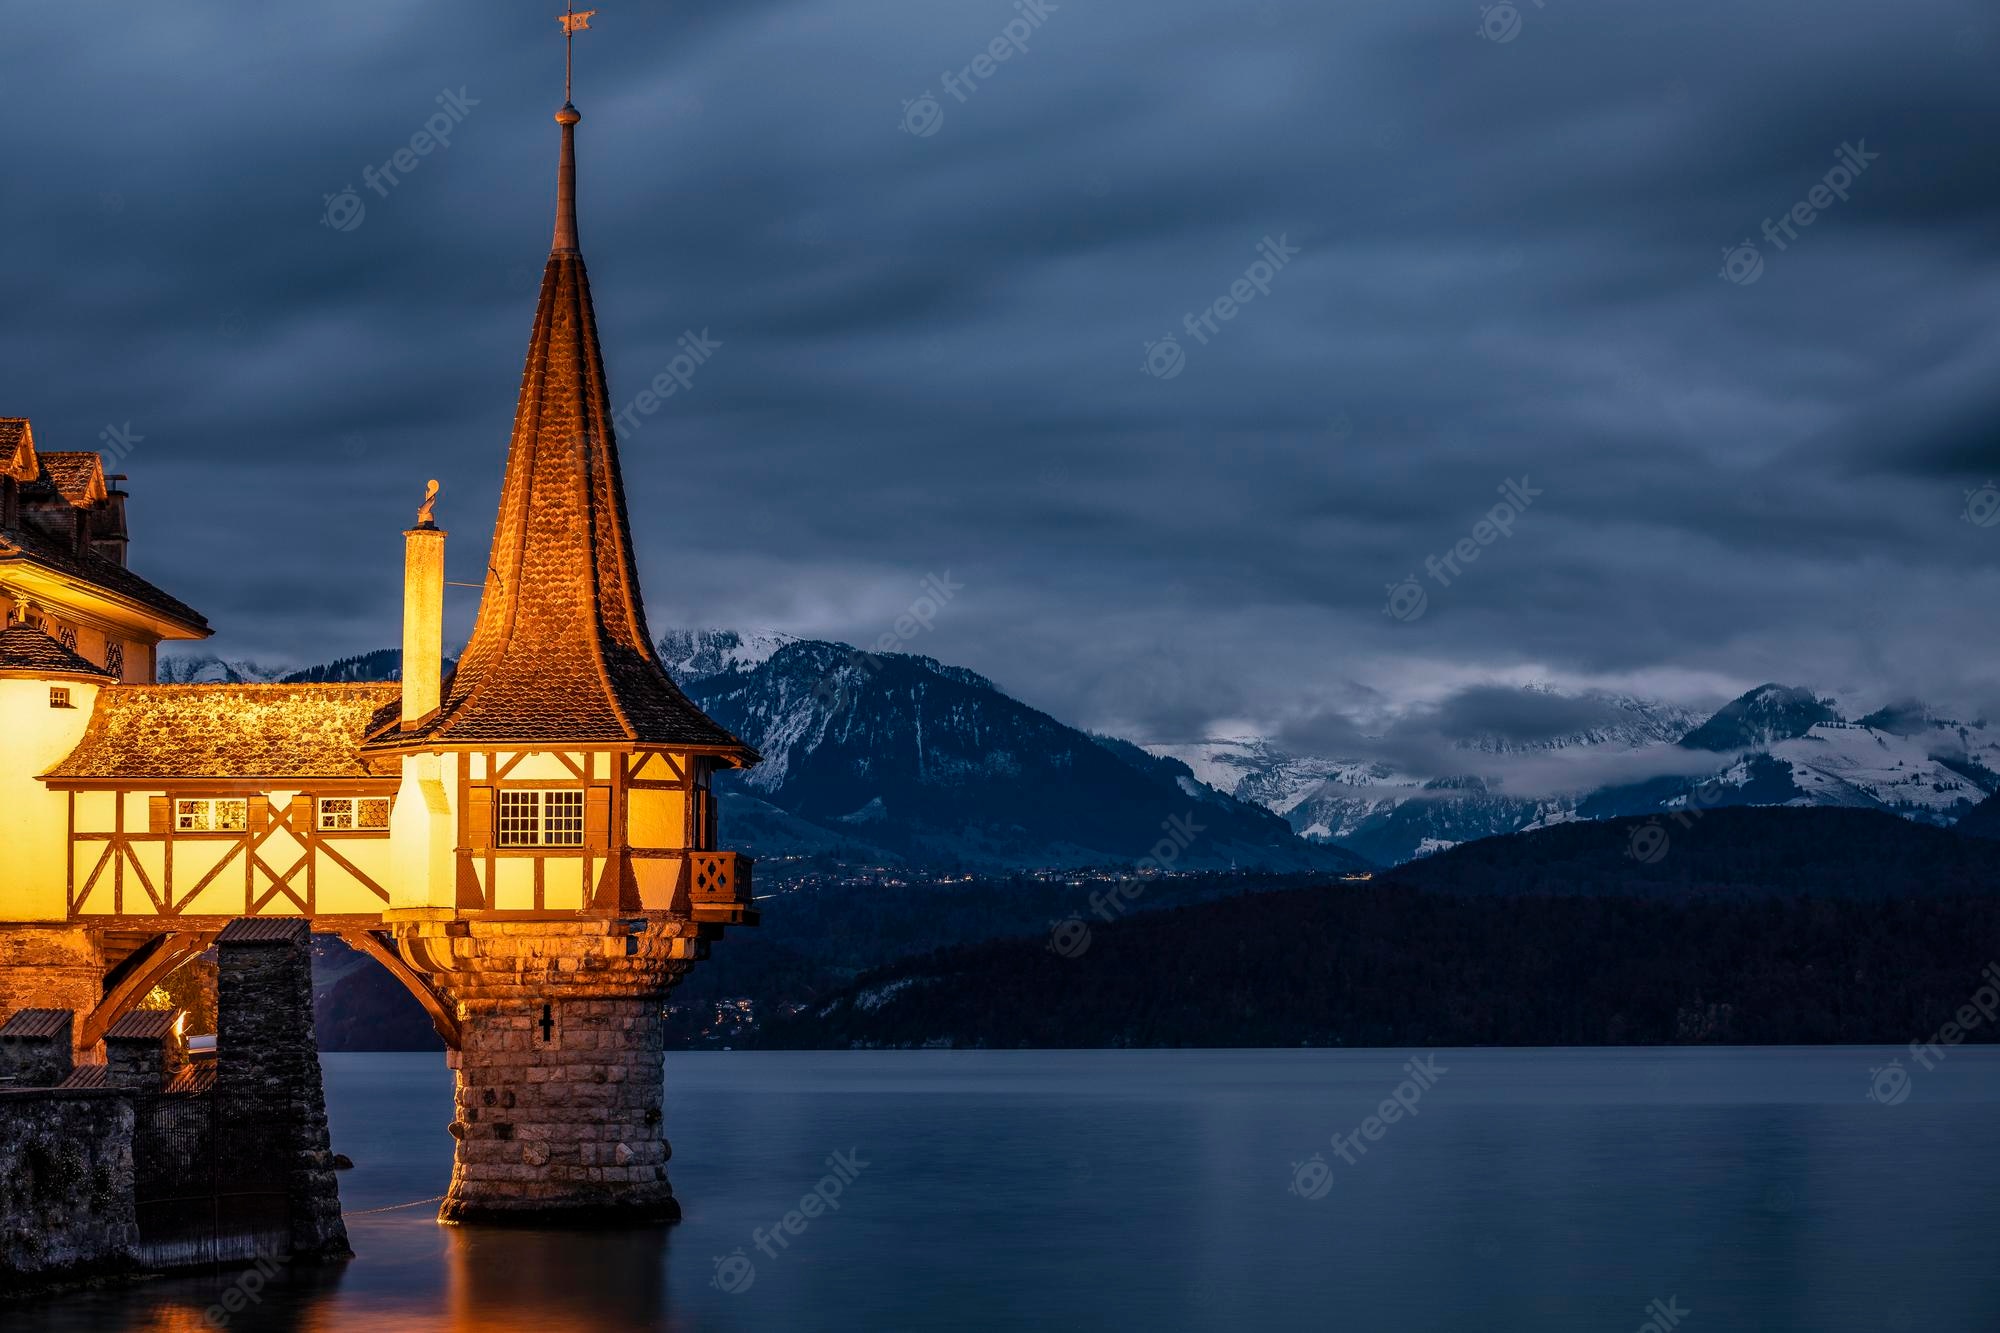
59, 697
540, 819
223, 815
337, 814
114, 658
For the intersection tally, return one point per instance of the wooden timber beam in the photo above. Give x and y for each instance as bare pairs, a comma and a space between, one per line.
440, 1011
124, 994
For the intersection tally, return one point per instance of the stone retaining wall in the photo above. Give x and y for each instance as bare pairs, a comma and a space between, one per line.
140, 1165
66, 1200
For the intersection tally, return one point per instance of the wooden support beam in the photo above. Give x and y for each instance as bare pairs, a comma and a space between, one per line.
440, 1010
124, 995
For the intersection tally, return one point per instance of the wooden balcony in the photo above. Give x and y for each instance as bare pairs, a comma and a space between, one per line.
719, 888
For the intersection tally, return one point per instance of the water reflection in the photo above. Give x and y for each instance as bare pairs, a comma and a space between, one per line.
503, 1278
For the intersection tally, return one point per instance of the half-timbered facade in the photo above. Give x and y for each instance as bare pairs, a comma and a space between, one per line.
529, 844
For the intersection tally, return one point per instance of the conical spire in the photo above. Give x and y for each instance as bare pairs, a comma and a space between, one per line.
566, 181
560, 652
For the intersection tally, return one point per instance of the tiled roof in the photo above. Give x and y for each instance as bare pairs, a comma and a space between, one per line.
86, 1076
17, 450
560, 652
27, 650
36, 1023
227, 731
29, 545
195, 1077
144, 1025
265, 930
78, 477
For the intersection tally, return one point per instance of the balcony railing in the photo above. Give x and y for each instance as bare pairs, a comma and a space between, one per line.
719, 887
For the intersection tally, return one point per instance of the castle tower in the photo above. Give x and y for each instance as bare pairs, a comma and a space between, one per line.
554, 836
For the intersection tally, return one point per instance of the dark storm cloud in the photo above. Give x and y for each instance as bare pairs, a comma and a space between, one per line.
932, 347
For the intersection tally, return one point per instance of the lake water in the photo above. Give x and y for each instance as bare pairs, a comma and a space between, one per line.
1531, 1190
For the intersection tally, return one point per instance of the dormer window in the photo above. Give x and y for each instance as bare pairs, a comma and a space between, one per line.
540, 819
59, 697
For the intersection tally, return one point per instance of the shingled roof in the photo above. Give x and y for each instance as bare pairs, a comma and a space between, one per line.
560, 652
27, 650
17, 450
227, 731
77, 477
26, 544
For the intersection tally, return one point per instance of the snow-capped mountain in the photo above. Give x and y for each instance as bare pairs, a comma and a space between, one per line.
905, 756
1775, 745
1765, 715
1620, 722
1933, 774
1252, 769
205, 669
382, 664
1390, 816
695, 654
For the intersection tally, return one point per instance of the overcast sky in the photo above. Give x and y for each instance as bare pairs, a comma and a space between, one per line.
934, 310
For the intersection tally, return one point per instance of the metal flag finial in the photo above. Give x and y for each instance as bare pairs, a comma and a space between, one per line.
571, 21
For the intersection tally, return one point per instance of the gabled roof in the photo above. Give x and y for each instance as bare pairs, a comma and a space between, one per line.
560, 651
27, 544
227, 732
17, 450
28, 651
77, 477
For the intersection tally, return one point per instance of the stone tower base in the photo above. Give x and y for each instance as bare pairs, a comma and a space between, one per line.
559, 1112
560, 1079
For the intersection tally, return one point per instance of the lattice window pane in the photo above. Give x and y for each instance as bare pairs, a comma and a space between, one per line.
372, 812
519, 822
232, 816
191, 817
562, 819
336, 813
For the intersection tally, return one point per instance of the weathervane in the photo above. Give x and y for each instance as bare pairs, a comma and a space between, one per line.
424, 519
571, 21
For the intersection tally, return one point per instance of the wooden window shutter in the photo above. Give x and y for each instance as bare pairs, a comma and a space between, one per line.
302, 814
479, 816
156, 815
259, 814
597, 818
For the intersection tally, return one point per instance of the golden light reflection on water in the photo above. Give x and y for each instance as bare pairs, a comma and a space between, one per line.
494, 1279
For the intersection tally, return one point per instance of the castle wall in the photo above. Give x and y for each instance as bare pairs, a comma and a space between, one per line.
52, 967
34, 821
66, 1186
140, 1174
